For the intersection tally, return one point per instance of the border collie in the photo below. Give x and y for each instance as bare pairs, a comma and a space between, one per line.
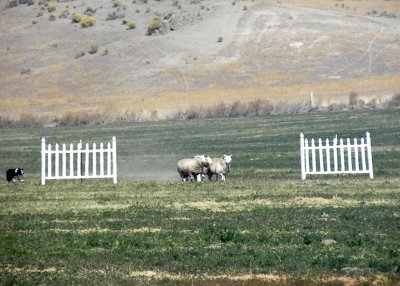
11, 174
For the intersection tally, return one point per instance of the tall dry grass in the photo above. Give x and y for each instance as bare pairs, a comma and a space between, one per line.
256, 107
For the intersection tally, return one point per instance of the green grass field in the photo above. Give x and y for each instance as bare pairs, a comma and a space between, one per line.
263, 225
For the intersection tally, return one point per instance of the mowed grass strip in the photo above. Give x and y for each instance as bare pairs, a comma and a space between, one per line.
262, 225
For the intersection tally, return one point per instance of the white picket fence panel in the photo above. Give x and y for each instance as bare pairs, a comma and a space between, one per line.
79, 162
343, 157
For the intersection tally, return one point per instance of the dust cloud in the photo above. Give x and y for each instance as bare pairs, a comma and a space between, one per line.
158, 168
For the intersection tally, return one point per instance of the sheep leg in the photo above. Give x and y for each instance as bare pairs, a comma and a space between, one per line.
222, 177
198, 178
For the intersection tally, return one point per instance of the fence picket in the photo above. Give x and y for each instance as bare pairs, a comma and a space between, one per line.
76, 164
321, 156
364, 167
307, 157
328, 156
49, 162
94, 160
349, 158
335, 161
79, 161
341, 147
108, 159
57, 156
64, 161
314, 165
101, 160
87, 161
71, 160
356, 155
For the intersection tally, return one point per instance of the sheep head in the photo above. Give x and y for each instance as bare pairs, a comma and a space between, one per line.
227, 159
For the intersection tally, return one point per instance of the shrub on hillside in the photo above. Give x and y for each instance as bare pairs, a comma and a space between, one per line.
76, 18
79, 55
52, 16
259, 107
51, 6
395, 101
12, 3
238, 109
64, 14
79, 118
114, 15
116, 3
131, 25
219, 110
89, 11
87, 21
94, 48
353, 98
27, 120
154, 25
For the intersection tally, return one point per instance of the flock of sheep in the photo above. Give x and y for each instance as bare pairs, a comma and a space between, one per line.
196, 168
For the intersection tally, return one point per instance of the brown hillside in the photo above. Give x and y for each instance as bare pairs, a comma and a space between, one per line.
200, 53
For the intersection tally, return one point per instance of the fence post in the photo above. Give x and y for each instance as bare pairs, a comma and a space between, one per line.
370, 167
43, 161
114, 154
303, 171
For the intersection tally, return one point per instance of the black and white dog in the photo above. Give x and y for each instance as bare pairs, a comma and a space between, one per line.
11, 174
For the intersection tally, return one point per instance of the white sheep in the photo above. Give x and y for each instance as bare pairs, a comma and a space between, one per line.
220, 166
192, 168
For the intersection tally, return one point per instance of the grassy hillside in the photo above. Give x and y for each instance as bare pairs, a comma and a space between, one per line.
263, 225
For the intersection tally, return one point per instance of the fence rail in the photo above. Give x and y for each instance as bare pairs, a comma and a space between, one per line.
342, 157
80, 163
